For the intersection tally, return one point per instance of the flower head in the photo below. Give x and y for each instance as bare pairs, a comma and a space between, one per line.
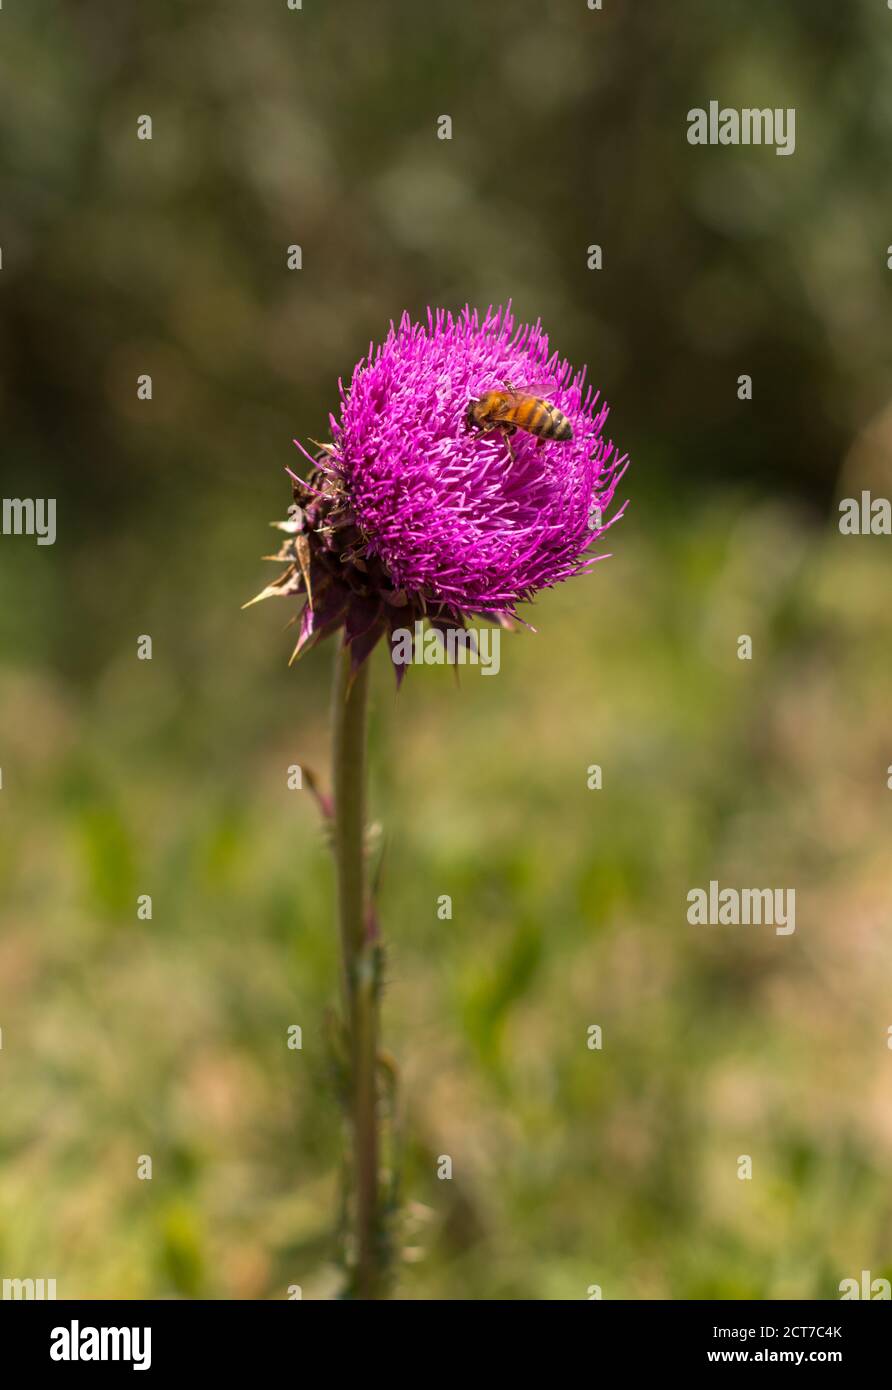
412, 510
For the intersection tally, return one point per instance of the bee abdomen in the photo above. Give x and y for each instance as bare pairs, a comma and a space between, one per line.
529, 414
553, 424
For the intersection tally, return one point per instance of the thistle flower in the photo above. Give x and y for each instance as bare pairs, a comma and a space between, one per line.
409, 513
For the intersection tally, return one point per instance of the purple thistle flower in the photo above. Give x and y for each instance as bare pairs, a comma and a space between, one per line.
411, 512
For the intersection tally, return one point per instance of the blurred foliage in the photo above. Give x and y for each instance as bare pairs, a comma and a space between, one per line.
168, 1037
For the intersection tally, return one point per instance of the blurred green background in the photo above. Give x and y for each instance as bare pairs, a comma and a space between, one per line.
167, 1037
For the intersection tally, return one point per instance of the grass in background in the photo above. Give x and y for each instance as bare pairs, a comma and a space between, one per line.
571, 1167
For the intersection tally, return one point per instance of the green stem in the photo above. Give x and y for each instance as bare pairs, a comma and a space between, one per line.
359, 961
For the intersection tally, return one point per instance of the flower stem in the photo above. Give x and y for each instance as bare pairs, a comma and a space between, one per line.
359, 959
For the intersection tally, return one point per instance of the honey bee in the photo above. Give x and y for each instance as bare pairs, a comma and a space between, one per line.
512, 410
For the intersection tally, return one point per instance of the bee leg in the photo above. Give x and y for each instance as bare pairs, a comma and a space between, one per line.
540, 442
506, 435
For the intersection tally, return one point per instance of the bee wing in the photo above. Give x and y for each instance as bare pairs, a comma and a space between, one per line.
542, 389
